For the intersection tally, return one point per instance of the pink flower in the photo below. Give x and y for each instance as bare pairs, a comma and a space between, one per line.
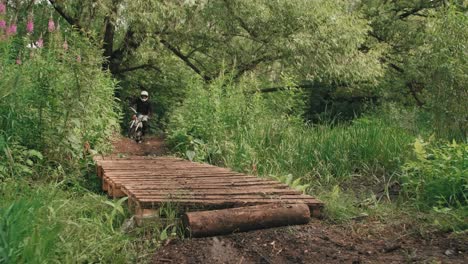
18, 61
2, 8
2, 24
40, 43
51, 25
78, 58
30, 26
12, 29
65, 45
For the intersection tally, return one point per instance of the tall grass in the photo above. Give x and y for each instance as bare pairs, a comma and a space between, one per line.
323, 154
45, 224
266, 135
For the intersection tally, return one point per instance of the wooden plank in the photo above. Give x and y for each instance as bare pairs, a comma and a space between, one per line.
207, 196
183, 183
258, 188
116, 192
160, 168
175, 174
149, 161
178, 174
149, 170
133, 158
169, 172
151, 184
145, 203
152, 181
211, 185
214, 178
206, 193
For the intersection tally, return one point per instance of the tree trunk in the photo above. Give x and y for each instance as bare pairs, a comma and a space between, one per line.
226, 221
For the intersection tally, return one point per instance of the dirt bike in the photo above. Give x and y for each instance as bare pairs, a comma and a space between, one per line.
135, 130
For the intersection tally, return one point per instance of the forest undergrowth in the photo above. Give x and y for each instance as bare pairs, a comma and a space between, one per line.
57, 109
373, 166
404, 159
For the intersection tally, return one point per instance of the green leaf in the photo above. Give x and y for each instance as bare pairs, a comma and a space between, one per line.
35, 153
163, 235
190, 154
419, 149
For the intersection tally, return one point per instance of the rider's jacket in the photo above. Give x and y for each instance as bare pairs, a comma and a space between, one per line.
143, 108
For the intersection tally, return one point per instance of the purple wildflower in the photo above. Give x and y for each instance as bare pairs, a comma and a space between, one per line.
65, 45
12, 29
51, 25
2, 24
18, 61
2, 8
30, 26
40, 43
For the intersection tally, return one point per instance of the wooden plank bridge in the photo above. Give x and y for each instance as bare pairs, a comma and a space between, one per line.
150, 182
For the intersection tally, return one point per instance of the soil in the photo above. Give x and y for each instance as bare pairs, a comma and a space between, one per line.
318, 242
151, 146
362, 241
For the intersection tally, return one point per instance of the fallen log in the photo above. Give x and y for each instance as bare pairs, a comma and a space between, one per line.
226, 221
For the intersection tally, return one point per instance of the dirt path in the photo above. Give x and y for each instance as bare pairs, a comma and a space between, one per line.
151, 146
369, 241
317, 243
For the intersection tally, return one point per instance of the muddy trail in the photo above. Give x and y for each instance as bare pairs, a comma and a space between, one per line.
151, 146
317, 242
362, 241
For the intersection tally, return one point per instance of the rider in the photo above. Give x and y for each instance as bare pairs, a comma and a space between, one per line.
144, 110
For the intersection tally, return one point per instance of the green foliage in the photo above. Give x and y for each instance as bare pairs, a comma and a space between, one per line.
441, 65
27, 232
54, 102
424, 46
18, 160
45, 224
450, 219
265, 134
340, 206
438, 176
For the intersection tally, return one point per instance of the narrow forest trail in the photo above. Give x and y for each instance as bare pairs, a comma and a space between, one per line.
362, 241
152, 146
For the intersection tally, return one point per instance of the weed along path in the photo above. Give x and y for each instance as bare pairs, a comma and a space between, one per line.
149, 179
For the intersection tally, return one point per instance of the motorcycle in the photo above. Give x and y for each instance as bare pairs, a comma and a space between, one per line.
135, 130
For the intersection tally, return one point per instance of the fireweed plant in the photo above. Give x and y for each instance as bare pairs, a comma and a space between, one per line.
54, 95
54, 100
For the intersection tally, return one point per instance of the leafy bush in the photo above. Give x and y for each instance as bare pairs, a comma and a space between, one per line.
54, 96
440, 63
438, 176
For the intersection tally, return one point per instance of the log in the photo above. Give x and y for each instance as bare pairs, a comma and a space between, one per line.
241, 219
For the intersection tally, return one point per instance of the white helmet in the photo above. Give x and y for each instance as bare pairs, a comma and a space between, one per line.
144, 96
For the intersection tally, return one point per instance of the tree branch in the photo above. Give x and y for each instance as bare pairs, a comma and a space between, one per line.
130, 43
109, 34
185, 59
415, 10
71, 20
108, 43
239, 19
144, 66
253, 64
411, 87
